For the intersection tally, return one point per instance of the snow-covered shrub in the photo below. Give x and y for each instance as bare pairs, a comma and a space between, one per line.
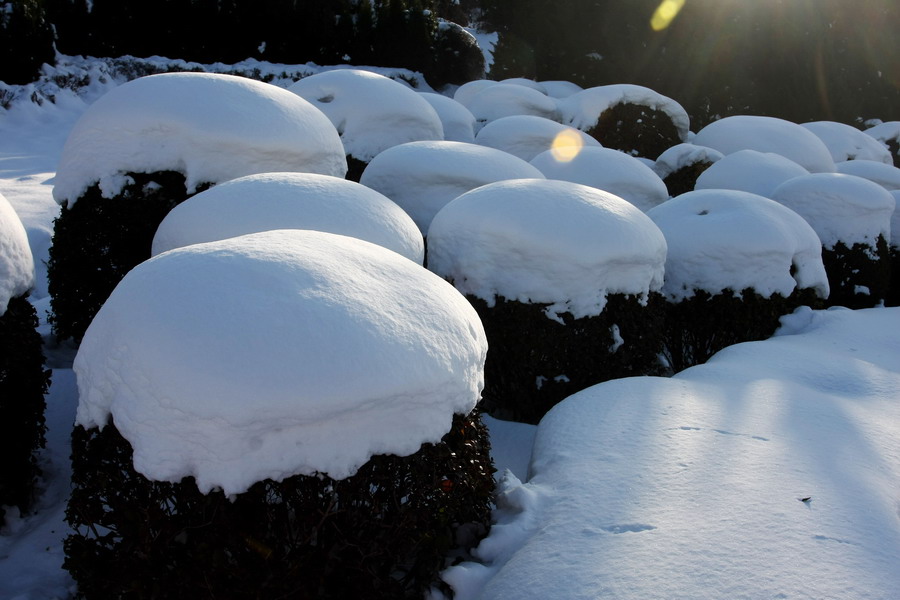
457, 57
893, 294
526, 136
681, 165
282, 414
888, 134
885, 175
846, 142
626, 117
458, 122
508, 99
147, 145
23, 380
749, 171
736, 263
371, 112
852, 217
564, 277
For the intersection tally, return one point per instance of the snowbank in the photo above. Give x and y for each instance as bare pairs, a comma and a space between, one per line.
845, 142
749, 171
885, 175
370, 111
541, 241
209, 127
422, 177
526, 136
721, 239
276, 354
458, 122
290, 201
16, 260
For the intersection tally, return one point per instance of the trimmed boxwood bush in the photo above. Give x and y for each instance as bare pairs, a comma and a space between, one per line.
386, 532
534, 362
859, 276
23, 383
634, 128
893, 293
684, 179
698, 327
97, 240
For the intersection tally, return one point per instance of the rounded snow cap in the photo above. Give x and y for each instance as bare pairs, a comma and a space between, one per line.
422, 177
729, 239
16, 260
846, 142
290, 201
840, 208
275, 354
458, 122
684, 155
609, 170
209, 127
767, 134
370, 111
749, 171
885, 175
526, 136
508, 99
546, 242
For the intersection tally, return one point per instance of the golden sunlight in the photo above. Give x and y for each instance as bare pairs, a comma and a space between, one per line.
566, 145
665, 13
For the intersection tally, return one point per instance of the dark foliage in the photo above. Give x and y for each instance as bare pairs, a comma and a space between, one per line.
699, 326
635, 129
534, 362
685, 179
859, 276
457, 58
26, 40
893, 292
23, 383
98, 240
384, 533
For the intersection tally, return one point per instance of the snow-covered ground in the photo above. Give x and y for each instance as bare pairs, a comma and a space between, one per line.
773, 471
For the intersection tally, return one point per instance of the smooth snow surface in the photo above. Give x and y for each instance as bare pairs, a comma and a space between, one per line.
370, 111
278, 353
458, 122
770, 472
560, 89
840, 208
468, 90
683, 155
885, 175
422, 177
846, 142
609, 170
767, 134
507, 99
885, 132
526, 136
209, 127
290, 201
16, 260
541, 241
749, 171
727, 239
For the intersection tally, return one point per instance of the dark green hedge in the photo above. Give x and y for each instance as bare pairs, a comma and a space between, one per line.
859, 276
98, 240
893, 293
23, 383
384, 533
534, 362
634, 128
685, 179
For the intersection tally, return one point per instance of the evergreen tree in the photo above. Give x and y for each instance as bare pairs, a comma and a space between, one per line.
26, 40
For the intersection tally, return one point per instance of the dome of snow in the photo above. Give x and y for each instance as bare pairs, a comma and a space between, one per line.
609, 170
542, 241
582, 110
845, 142
370, 111
526, 136
458, 122
886, 133
468, 90
507, 99
560, 89
730, 239
208, 127
767, 134
885, 175
683, 155
840, 208
749, 171
524, 81
422, 177
16, 260
290, 201
277, 354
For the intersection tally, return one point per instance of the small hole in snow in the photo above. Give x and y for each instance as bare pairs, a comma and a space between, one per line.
703, 212
326, 99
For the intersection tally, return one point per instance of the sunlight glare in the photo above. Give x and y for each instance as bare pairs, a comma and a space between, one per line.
566, 145
665, 13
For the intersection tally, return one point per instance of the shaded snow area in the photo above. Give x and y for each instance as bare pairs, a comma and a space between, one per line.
770, 472
16, 260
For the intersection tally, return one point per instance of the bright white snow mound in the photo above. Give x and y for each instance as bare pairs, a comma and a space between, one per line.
582, 110
559, 88
840, 208
526, 136
422, 177
16, 260
767, 134
606, 169
458, 122
546, 242
749, 171
275, 354
885, 132
846, 142
683, 155
885, 175
728, 239
468, 90
371, 112
209, 127
290, 201
507, 99
769, 472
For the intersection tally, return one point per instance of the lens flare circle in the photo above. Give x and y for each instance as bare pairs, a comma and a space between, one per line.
665, 13
566, 145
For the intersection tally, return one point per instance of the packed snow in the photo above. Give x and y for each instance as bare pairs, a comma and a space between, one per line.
846, 142
749, 171
207, 126
885, 175
526, 136
269, 201
508, 99
728, 239
543, 241
683, 155
457, 121
16, 260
